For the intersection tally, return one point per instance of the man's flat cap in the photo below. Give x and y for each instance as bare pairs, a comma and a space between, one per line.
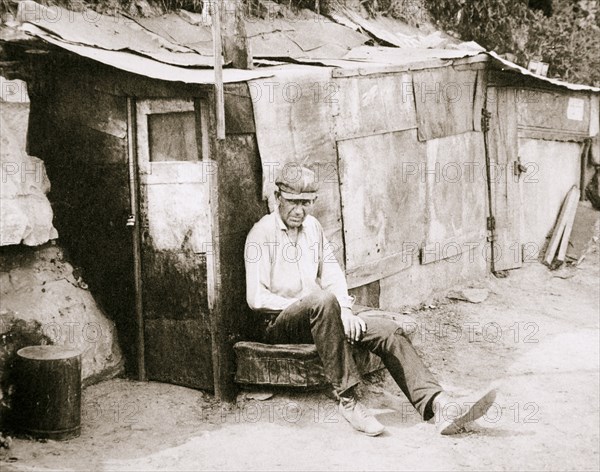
297, 183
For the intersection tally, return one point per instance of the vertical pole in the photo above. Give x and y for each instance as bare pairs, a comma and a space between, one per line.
134, 223
218, 57
222, 382
485, 128
222, 351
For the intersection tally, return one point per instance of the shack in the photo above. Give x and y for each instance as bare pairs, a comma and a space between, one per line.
421, 154
545, 125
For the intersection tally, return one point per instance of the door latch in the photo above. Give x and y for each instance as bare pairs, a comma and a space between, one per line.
519, 168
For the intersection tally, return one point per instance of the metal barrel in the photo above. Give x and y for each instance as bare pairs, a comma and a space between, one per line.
48, 392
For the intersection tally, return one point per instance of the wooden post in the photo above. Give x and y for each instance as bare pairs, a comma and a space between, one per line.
231, 47
219, 366
222, 352
236, 47
218, 57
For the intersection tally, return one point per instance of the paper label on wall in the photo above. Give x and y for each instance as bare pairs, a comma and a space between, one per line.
575, 109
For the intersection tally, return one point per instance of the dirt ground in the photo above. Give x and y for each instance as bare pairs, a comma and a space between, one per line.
535, 338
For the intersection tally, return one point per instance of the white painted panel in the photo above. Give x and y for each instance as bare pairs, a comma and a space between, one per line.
179, 216
552, 169
176, 192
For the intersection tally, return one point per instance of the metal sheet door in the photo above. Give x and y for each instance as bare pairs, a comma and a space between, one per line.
176, 240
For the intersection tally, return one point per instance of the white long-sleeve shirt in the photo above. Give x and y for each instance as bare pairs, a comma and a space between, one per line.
279, 272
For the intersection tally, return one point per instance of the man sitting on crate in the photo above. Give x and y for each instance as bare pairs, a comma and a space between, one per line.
293, 276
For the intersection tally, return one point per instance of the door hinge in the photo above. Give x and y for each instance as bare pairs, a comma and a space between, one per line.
485, 120
491, 223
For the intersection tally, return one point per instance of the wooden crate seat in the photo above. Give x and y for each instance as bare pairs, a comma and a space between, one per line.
299, 365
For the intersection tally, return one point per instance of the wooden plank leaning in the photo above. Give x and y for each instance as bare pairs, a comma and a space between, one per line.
564, 242
569, 202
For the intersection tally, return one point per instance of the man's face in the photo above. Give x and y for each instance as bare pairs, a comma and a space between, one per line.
293, 212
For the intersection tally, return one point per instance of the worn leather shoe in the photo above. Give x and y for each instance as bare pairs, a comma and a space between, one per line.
358, 416
453, 414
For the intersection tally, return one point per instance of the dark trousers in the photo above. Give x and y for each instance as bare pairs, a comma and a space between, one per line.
316, 319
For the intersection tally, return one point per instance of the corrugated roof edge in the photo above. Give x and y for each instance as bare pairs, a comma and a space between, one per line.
349, 18
145, 66
507, 65
154, 69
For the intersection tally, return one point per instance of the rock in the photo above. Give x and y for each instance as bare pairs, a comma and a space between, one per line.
5, 442
22, 280
42, 305
4, 282
139, 427
472, 295
15, 109
25, 212
260, 396
564, 273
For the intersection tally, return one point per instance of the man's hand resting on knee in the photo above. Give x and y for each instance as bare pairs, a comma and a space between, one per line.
354, 327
